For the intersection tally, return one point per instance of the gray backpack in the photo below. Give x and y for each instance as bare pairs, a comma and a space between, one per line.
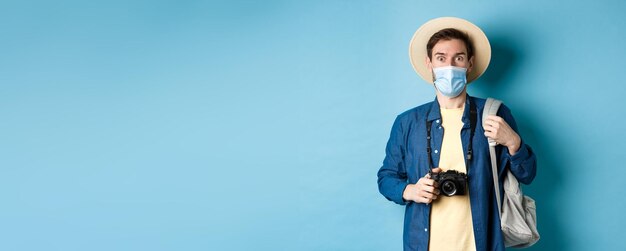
518, 215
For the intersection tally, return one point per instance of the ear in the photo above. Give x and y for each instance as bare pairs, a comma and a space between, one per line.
471, 64
428, 63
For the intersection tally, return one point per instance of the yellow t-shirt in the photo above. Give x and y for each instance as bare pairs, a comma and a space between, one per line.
451, 217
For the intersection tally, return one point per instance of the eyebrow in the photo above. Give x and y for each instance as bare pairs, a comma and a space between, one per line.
457, 54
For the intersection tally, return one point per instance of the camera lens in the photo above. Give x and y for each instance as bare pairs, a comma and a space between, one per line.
448, 188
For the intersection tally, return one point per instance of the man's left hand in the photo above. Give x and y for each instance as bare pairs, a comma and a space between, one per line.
500, 131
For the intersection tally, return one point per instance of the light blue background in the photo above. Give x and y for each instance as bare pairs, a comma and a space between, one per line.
260, 125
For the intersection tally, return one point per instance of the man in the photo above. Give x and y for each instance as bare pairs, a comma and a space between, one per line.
449, 53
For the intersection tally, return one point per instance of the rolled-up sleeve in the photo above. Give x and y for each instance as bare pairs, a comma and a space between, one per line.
392, 177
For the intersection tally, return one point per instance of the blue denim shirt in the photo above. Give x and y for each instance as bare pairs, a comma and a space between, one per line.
406, 161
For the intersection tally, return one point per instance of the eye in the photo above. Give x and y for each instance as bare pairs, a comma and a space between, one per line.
440, 59
460, 58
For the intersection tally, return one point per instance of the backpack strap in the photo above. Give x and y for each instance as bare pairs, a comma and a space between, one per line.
491, 108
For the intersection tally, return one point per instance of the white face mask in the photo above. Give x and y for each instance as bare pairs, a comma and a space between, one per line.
450, 80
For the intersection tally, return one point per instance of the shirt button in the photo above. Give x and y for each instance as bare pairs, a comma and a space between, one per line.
425, 229
439, 128
437, 121
436, 151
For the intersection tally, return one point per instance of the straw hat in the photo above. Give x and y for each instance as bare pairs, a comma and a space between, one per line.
417, 48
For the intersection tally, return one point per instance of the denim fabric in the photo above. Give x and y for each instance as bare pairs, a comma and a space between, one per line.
406, 161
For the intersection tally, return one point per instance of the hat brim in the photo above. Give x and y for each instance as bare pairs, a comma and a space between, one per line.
417, 47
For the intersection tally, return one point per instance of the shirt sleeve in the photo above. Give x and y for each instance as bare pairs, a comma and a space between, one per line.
392, 177
522, 164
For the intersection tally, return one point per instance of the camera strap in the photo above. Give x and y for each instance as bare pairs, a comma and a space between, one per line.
468, 156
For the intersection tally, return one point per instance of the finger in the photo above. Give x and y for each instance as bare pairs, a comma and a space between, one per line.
488, 123
431, 196
436, 170
426, 182
495, 118
421, 199
428, 196
490, 134
417, 199
429, 189
492, 123
488, 128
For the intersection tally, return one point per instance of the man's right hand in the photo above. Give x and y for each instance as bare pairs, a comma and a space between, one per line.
424, 191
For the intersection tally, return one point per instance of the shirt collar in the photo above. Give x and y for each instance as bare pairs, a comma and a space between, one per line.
435, 112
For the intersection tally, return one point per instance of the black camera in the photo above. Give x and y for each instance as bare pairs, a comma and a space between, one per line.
451, 182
